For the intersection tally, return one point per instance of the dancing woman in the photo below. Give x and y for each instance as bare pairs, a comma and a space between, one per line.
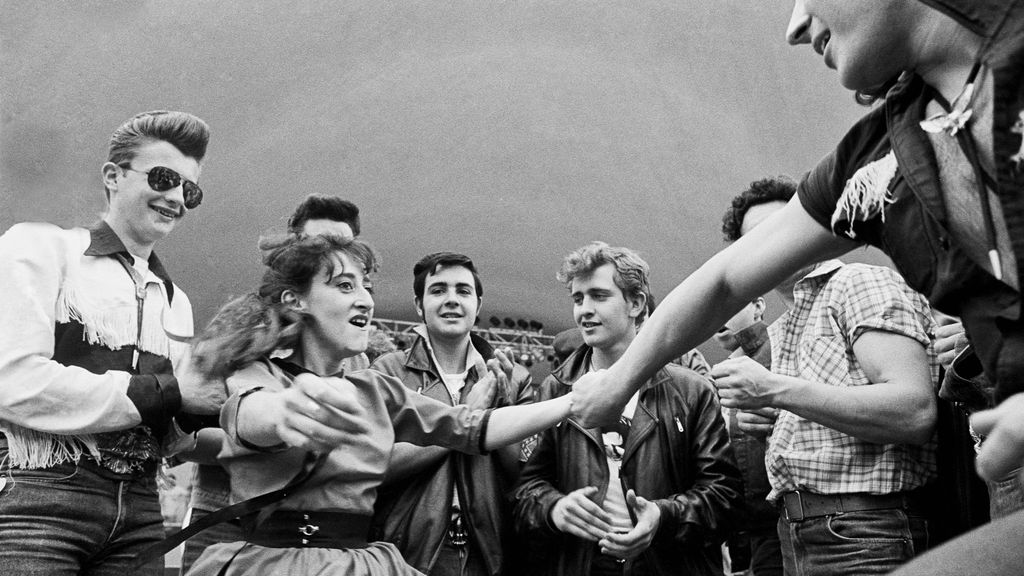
293, 419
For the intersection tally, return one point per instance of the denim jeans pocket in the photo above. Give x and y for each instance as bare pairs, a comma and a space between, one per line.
875, 526
60, 474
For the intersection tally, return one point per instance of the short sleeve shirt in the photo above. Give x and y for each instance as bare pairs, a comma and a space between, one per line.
834, 305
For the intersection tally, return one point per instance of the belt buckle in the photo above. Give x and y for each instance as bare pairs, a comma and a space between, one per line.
307, 530
800, 504
457, 532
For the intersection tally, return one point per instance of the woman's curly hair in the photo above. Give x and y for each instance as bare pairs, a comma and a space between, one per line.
252, 326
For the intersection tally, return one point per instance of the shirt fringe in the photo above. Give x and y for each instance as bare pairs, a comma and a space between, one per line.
865, 195
118, 327
32, 449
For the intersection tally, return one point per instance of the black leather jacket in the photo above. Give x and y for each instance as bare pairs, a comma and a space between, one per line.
414, 513
677, 455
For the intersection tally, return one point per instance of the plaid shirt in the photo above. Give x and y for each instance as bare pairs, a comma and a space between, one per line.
835, 305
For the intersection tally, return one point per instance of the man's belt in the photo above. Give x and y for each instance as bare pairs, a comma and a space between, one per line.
799, 505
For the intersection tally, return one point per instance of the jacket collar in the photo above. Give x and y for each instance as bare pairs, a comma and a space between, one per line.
103, 241
293, 369
752, 337
578, 364
979, 16
419, 353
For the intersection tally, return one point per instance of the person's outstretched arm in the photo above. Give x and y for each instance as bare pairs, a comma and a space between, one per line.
783, 244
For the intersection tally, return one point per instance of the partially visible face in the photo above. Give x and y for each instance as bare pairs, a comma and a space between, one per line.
145, 214
726, 335
602, 312
339, 308
325, 227
865, 41
756, 215
450, 304
759, 213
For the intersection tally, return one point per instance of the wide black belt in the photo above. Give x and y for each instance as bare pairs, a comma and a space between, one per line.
259, 507
799, 505
297, 529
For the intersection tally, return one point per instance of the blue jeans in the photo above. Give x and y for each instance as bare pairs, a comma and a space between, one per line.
76, 519
852, 543
765, 555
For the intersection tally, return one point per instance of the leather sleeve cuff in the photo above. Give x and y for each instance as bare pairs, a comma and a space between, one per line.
548, 505
156, 397
482, 440
189, 423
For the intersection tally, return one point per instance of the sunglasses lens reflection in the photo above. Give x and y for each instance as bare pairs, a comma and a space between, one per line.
193, 195
163, 179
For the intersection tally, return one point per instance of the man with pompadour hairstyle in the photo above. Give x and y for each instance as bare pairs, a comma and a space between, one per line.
94, 334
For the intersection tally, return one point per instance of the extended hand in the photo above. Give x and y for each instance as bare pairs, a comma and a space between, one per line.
481, 394
502, 366
576, 514
742, 383
1002, 451
758, 423
946, 338
593, 402
631, 544
319, 413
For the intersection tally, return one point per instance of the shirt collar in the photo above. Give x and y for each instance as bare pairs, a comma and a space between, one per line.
105, 242
823, 270
473, 357
752, 337
293, 369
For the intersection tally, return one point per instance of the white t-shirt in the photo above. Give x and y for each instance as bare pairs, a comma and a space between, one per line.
615, 500
141, 266
455, 383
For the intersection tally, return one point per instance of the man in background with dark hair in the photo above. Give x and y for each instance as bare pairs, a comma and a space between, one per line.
446, 511
319, 214
93, 334
746, 334
211, 486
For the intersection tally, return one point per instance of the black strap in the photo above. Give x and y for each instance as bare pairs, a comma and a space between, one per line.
255, 505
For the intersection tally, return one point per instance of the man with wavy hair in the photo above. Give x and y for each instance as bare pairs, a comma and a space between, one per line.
657, 491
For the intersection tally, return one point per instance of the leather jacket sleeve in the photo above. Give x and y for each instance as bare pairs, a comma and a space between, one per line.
708, 510
536, 494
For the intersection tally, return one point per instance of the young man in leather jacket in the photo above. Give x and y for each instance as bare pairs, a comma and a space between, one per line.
657, 492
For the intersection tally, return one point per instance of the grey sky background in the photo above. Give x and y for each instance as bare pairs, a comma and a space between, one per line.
511, 131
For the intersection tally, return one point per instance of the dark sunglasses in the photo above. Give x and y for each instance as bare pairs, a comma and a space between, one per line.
162, 179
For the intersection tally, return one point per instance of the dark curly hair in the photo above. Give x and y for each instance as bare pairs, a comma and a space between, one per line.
255, 324
763, 191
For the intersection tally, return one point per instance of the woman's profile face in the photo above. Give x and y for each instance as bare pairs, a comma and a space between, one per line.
339, 306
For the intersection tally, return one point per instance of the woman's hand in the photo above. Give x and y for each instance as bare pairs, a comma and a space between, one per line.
319, 413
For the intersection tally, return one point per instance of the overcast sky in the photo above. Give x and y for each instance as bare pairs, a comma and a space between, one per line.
511, 131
